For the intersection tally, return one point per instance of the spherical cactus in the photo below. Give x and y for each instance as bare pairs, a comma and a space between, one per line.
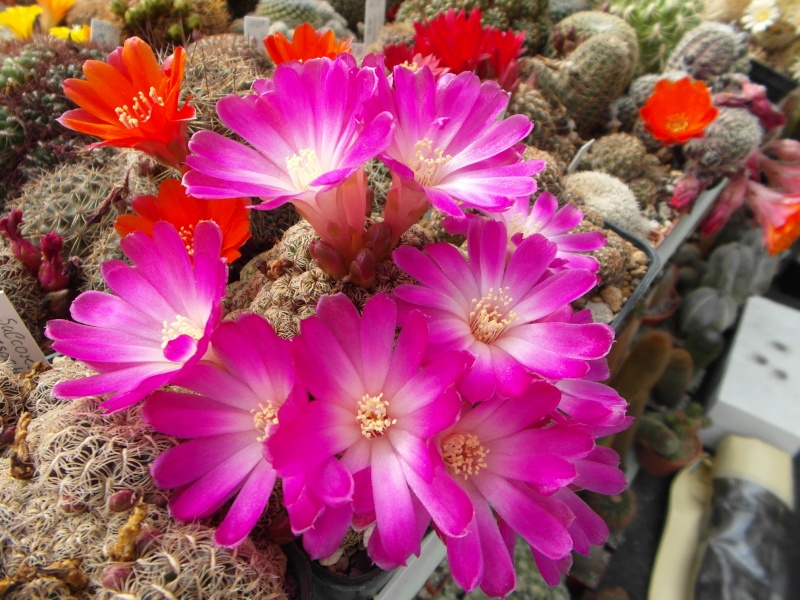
217, 66
550, 179
561, 9
64, 200
291, 13
549, 116
164, 22
708, 50
610, 197
578, 27
619, 154
728, 141
617, 511
22, 290
659, 25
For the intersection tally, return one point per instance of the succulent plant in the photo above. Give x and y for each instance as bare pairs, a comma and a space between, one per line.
163, 22
621, 155
673, 434
291, 13
610, 197
727, 143
659, 25
671, 388
707, 51
22, 290
578, 27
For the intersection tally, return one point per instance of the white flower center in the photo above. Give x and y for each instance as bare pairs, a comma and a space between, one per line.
263, 418
141, 111
303, 168
180, 326
464, 454
373, 416
429, 163
524, 225
187, 237
489, 316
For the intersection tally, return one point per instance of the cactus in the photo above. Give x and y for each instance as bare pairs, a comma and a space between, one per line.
291, 13
64, 199
647, 361
549, 116
707, 51
570, 32
617, 511
549, 179
561, 9
671, 388
728, 141
216, 66
22, 290
162, 22
588, 80
620, 155
353, 10
659, 25
610, 197
673, 434
705, 346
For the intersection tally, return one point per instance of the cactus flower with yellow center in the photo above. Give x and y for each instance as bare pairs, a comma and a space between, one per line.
131, 102
79, 34
53, 12
306, 44
19, 20
678, 111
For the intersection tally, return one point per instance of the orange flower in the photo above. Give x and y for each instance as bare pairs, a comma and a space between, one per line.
129, 102
306, 44
185, 212
678, 111
777, 213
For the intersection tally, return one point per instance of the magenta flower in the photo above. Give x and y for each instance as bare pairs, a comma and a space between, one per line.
515, 464
450, 143
158, 322
376, 405
524, 219
228, 422
308, 129
502, 313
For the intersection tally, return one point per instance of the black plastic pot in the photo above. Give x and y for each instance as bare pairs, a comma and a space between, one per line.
778, 86
300, 567
325, 585
653, 269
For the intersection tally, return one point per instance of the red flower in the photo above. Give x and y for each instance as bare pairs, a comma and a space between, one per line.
129, 102
174, 206
777, 213
678, 111
462, 44
306, 44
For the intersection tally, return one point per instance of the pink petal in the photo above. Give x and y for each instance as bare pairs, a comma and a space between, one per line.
499, 578
247, 508
189, 415
328, 532
191, 460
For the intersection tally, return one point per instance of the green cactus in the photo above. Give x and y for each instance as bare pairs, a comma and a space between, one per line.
673, 434
705, 346
671, 388
570, 32
727, 143
659, 25
707, 51
620, 155
22, 290
164, 22
12, 133
63, 200
661, 438
291, 13
616, 511
561, 9
549, 118
588, 80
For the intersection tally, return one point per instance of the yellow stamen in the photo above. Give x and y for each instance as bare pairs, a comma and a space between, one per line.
142, 109
263, 418
180, 326
428, 162
373, 416
304, 168
464, 454
677, 123
489, 317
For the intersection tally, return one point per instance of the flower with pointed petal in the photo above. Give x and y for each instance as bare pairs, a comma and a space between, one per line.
678, 110
157, 321
19, 20
777, 213
515, 464
175, 206
500, 310
131, 102
53, 12
782, 171
79, 34
404, 56
306, 44
308, 131
760, 15
227, 424
524, 219
450, 146
376, 404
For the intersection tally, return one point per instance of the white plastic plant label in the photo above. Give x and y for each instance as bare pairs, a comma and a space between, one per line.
16, 342
573, 166
255, 30
374, 18
104, 34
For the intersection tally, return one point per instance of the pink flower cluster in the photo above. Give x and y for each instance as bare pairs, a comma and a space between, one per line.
469, 401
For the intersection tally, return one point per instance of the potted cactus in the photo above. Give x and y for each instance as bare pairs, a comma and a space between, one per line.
667, 442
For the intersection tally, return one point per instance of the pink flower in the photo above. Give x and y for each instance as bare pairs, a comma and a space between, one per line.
501, 312
516, 464
228, 422
308, 131
23, 249
783, 171
450, 146
376, 405
524, 219
156, 322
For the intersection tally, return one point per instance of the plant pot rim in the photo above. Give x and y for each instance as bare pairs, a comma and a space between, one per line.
657, 465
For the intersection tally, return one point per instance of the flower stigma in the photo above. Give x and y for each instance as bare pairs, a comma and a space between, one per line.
677, 123
428, 162
464, 454
180, 326
373, 416
263, 418
488, 318
304, 168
